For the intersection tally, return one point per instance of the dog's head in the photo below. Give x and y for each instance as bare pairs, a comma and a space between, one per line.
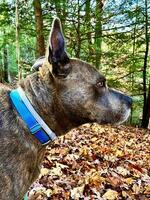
82, 90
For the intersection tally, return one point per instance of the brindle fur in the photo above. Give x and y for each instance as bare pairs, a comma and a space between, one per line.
65, 94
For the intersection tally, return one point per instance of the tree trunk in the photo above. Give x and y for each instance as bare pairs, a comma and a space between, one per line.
145, 67
98, 33
17, 41
78, 33
146, 118
40, 45
5, 65
1, 69
87, 19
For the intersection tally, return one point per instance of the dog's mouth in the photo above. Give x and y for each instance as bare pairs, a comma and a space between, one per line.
77, 121
124, 117
114, 118
84, 121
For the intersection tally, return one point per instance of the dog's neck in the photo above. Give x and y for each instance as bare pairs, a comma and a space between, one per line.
42, 93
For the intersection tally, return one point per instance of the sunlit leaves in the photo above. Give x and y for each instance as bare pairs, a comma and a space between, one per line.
96, 162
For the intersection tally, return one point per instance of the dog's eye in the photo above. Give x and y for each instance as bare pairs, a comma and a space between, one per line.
101, 83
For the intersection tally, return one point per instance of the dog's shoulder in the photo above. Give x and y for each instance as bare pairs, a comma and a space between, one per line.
4, 89
4, 95
6, 114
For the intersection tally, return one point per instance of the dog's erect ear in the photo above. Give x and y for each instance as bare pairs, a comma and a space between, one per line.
56, 52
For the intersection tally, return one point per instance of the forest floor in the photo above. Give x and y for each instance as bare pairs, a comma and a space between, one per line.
96, 162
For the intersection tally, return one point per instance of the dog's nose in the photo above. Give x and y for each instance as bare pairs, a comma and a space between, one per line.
128, 100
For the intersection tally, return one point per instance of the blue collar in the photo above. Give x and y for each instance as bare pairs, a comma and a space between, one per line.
31, 118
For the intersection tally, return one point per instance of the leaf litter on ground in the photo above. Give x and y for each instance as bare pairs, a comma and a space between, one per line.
95, 162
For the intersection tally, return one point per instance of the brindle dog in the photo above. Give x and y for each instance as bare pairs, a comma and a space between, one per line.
66, 93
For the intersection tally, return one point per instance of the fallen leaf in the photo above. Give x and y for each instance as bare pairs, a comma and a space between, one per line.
77, 192
115, 181
136, 188
110, 195
129, 181
123, 171
44, 171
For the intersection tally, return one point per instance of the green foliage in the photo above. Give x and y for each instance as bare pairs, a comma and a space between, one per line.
121, 43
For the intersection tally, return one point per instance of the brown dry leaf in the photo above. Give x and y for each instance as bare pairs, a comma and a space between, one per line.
95, 180
136, 188
123, 171
59, 165
48, 192
147, 190
44, 171
56, 171
57, 190
72, 157
94, 139
119, 153
110, 195
84, 152
115, 181
124, 194
129, 181
77, 192
38, 196
136, 167
64, 151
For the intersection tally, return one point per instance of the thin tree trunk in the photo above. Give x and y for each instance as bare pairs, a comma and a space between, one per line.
17, 41
1, 68
87, 18
145, 121
145, 67
98, 33
39, 28
5, 65
78, 33
131, 69
133, 66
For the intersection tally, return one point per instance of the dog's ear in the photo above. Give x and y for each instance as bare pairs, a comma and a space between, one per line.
57, 55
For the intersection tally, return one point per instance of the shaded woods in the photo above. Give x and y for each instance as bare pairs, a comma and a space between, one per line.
111, 35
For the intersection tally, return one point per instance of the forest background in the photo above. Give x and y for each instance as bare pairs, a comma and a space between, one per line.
112, 35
